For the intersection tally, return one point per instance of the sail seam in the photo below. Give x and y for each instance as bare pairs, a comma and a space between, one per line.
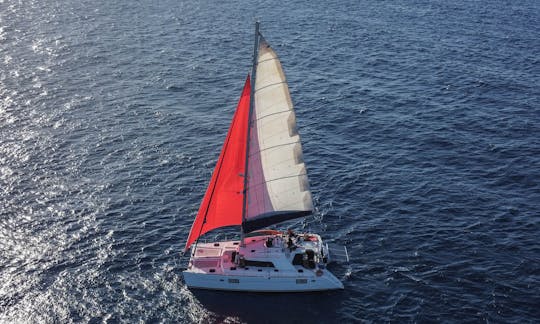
275, 146
271, 85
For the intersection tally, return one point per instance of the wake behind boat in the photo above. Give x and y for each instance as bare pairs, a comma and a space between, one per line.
259, 180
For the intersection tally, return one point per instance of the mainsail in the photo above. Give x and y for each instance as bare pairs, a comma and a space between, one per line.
277, 186
262, 138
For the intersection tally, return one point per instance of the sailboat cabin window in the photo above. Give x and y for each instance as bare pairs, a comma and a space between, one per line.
262, 264
298, 259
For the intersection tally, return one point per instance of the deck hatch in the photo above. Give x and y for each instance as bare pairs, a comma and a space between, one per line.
206, 263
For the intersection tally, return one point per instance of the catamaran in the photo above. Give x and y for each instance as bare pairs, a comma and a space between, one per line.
259, 180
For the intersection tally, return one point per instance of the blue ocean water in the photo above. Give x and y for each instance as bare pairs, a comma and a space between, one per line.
420, 123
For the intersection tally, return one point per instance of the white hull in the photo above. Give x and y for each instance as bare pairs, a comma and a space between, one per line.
216, 266
262, 284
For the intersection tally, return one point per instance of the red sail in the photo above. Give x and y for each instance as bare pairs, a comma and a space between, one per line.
222, 203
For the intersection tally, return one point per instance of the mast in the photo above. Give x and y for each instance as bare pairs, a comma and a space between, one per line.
251, 103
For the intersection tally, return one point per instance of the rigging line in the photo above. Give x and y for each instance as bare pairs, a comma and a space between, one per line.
275, 146
270, 85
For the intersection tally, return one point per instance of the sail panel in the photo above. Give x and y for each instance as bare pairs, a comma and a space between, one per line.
266, 220
223, 201
278, 187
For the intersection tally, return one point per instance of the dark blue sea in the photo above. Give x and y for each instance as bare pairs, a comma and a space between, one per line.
420, 123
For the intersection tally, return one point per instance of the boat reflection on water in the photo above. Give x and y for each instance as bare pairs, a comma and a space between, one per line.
315, 307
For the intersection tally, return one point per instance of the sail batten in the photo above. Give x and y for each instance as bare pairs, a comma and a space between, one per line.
269, 59
275, 146
274, 113
270, 85
276, 179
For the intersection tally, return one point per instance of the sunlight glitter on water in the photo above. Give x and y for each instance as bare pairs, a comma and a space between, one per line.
418, 122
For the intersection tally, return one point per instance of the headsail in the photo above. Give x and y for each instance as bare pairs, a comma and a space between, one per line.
222, 203
277, 186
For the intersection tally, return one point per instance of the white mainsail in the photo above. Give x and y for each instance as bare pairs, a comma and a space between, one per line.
277, 185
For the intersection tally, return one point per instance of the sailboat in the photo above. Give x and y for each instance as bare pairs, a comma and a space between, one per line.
259, 180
